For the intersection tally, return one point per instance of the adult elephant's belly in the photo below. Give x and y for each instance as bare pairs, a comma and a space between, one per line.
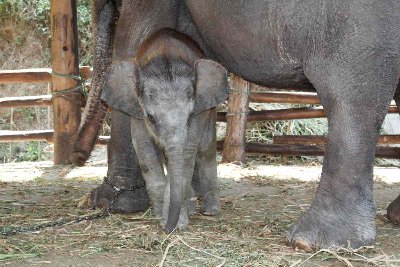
248, 40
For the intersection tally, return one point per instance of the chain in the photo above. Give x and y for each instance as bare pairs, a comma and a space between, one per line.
8, 231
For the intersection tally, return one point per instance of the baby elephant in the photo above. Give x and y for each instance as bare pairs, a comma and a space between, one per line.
170, 93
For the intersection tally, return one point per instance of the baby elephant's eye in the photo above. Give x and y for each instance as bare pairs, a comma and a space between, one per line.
151, 118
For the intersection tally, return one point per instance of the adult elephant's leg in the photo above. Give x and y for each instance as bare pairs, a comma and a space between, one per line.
393, 211
151, 164
355, 94
123, 172
205, 177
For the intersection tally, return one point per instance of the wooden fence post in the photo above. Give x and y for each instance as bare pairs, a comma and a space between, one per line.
65, 65
236, 121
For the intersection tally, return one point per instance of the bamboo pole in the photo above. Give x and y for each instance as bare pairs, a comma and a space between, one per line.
238, 106
65, 65
321, 140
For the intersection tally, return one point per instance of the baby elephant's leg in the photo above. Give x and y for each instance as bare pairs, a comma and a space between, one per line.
150, 162
205, 178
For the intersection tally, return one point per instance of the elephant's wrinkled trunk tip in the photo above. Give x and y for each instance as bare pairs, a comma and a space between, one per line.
87, 134
170, 226
175, 204
175, 165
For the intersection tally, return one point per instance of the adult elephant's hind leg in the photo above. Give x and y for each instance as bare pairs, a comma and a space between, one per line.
393, 211
123, 172
356, 99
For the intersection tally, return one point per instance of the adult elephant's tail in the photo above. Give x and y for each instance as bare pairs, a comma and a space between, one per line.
105, 16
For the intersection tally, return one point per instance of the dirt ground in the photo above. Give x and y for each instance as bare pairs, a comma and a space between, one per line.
259, 203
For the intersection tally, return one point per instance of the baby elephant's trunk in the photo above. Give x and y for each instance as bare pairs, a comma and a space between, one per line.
177, 186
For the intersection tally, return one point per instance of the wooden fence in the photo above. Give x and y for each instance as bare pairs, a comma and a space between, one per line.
66, 75
234, 147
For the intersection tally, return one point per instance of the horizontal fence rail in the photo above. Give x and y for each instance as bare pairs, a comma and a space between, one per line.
38, 135
304, 150
250, 148
321, 140
287, 114
25, 101
40, 75
278, 97
282, 145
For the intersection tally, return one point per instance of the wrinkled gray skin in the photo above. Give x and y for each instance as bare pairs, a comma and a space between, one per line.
347, 50
170, 94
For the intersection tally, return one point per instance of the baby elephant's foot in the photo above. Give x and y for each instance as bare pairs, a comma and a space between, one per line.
192, 206
211, 204
122, 202
393, 211
183, 221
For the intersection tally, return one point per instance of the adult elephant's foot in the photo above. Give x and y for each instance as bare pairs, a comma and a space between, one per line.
333, 226
393, 211
120, 200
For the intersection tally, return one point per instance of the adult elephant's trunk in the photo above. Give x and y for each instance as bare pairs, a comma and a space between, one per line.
95, 109
177, 185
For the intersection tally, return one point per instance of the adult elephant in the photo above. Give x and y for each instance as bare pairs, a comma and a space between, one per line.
347, 50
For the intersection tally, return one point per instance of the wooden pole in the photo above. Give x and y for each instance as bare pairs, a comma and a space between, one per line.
65, 65
321, 140
287, 114
38, 135
305, 150
42, 75
295, 98
25, 101
236, 118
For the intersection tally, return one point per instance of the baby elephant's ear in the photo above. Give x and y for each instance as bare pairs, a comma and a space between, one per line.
212, 86
120, 89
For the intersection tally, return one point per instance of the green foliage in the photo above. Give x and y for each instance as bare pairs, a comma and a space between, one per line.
29, 151
34, 16
85, 32
31, 12
264, 132
33, 152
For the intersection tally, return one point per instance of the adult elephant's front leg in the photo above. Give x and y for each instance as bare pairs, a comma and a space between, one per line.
356, 98
123, 172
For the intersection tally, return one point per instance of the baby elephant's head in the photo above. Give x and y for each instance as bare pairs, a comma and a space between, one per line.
166, 93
